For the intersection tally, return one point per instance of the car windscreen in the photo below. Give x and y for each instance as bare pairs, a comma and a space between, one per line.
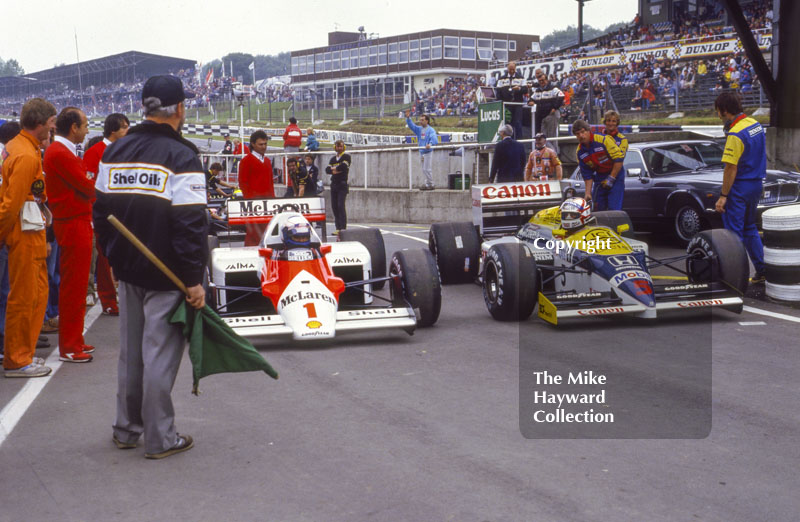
682, 157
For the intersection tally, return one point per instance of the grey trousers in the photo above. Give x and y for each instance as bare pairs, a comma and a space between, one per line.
427, 167
149, 357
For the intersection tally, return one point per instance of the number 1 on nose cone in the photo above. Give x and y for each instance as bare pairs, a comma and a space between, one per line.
312, 312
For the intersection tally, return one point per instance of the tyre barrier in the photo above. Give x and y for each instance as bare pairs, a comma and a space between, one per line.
781, 228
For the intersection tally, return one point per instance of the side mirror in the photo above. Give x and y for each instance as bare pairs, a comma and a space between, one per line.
622, 228
325, 249
265, 253
635, 172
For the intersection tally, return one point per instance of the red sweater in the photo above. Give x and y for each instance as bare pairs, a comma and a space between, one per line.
69, 191
238, 149
255, 177
92, 157
292, 136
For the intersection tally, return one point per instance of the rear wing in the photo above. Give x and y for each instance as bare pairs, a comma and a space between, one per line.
244, 211
501, 208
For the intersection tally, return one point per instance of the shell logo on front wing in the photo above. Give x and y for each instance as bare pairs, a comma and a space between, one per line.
313, 324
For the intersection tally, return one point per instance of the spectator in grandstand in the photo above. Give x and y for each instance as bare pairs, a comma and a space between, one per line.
338, 168
508, 163
511, 88
71, 194
22, 190
600, 162
292, 136
255, 181
173, 225
543, 163
426, 139
745, 160
115, 127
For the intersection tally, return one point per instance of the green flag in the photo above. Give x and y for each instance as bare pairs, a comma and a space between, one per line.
214, 347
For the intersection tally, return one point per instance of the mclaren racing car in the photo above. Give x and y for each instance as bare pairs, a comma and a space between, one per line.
292, 284
594, 267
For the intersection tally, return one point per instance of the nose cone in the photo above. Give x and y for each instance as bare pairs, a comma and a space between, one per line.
641, 290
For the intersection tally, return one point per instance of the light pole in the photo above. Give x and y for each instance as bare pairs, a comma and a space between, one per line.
580, 20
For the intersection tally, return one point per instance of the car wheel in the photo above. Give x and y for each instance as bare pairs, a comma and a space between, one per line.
718, 255
372, 240
614, 218
415, 275
457, 248
510, 282
687, 223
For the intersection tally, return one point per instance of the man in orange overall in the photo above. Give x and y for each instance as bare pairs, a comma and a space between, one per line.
23, 182
71, 194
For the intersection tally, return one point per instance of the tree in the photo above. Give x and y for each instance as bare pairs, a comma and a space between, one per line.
10, 68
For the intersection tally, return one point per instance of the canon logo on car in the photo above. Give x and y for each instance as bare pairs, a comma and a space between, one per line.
524, 190
697, 304
601, 311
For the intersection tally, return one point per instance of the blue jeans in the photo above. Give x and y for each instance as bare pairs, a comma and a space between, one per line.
605, 199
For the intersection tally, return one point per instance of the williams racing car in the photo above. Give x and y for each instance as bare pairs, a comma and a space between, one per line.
292, 284
574, 264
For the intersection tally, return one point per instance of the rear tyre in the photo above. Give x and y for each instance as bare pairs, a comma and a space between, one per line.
457, 248
416, 277
718, 255
372, 240
510, 282
612, 219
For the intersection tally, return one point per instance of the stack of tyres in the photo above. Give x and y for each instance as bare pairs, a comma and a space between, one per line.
782, 252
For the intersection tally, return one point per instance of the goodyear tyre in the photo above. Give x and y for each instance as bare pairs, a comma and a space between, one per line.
372, 239
718, 255
415, 276
457, 249
612, 219
510, 282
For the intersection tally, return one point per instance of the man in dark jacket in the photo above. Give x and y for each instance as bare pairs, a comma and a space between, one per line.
153, 182
511, 88
509, 158
548, 99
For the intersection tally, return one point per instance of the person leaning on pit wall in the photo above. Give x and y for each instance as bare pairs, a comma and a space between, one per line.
23, 189
165, 207
745, 160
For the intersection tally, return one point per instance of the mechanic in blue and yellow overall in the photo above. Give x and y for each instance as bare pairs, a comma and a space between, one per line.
611, 122
600, 161
745, 160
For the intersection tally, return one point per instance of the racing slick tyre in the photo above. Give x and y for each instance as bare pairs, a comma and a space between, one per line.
414, 273
510, 282
457, 248
372, 240
612, 219
718, 255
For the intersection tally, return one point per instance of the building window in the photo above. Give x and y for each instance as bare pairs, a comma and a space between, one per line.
382, 54
402, 56
451, 47
392, 53
436, 48
318, 62
295, 66
354, 58
468, 48
413, 54
425, 49
373, 55
327, 62
512, 45
301, 65
336, 58
363, 59
345, 60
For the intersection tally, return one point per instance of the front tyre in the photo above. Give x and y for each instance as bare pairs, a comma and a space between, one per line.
510, 282
415, 276
718, 255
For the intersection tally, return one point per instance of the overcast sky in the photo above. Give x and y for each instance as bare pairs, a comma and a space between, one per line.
40, 35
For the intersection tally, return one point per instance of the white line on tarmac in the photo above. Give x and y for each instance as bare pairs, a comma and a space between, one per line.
396, 234
752, 323
759, 311
20, 403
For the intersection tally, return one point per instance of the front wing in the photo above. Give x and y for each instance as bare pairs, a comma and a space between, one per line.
346, 321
